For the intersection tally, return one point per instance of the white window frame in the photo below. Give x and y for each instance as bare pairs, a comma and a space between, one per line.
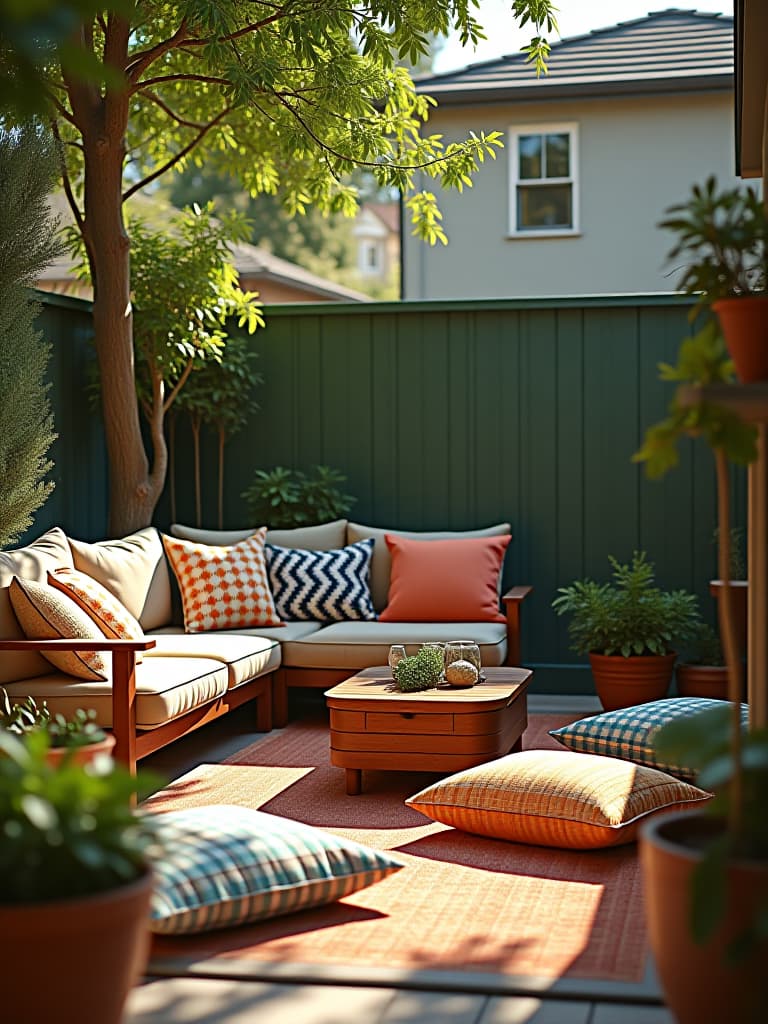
569, 128
368, 247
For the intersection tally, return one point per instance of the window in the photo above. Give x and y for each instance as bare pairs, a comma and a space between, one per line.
543, 182
370, 257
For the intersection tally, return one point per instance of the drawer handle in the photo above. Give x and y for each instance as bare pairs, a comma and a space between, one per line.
407, 714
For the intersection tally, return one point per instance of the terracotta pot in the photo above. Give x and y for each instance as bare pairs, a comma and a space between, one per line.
622, 682
702, 681
78, 958
739, 593
83, 755
744, 323
700, 984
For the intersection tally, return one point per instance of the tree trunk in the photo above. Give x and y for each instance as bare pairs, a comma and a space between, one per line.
133, 490
222, 439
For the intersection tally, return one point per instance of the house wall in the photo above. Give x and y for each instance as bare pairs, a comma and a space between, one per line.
636, 157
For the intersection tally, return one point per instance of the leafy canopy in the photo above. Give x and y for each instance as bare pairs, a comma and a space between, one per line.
294, 96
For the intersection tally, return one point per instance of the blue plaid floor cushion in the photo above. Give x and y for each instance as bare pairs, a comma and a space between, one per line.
220, 866
321, 586
628, 733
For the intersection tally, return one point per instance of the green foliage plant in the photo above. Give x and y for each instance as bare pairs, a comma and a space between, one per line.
66, 830
291, 102
705, 647
418, 672
219, 393
22, 717
630, 616
722, 239
27, 245
284, 498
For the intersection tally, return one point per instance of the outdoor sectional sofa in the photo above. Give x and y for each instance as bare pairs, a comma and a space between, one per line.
171, 682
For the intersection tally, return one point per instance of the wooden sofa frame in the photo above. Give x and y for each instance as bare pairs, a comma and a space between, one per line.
132, 744
325, 678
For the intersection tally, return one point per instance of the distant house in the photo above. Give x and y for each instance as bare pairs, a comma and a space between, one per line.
275, 279
628, 118
377, 233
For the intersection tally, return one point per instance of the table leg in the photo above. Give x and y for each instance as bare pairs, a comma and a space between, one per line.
517, 746
354, 779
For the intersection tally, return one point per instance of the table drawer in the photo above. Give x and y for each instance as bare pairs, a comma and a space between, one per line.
408, 722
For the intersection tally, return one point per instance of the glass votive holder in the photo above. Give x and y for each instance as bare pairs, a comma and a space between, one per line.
463, 650
396, 655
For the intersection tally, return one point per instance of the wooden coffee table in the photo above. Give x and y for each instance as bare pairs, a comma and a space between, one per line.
442, 730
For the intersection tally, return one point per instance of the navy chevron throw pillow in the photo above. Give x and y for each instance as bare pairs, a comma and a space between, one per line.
321, 586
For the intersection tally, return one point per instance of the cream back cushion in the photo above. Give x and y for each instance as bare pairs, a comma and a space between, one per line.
48, 552
381, 563
321, 537
134, 570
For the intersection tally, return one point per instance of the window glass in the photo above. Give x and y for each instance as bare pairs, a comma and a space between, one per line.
529, 148
543, 206
558, 159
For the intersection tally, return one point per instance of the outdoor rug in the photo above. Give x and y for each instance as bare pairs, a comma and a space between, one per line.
463, 903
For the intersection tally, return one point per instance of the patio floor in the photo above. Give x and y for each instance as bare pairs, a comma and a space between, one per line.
279, 999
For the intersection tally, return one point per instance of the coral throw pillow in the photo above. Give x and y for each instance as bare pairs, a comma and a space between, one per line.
47, 614
112, 618
222, 587
555, 798
445, 580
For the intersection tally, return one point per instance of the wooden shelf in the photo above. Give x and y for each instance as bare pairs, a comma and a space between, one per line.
750, 401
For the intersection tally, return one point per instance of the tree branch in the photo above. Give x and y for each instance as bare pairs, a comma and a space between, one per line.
171, 113
180, 78
179, 156
65, 179
171, 395
143, 59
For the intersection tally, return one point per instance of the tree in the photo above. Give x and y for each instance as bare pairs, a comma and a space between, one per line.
294, 94
26, 247
219, 394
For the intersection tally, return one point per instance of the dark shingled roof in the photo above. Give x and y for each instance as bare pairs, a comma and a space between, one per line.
666, 50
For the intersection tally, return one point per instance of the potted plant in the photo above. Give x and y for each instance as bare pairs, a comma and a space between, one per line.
627, 629
78, 738
703, 672
74, 884
705, 873
722, 237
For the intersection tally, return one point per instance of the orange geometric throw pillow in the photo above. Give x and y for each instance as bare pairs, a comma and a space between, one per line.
444, 580
222, 587
112, 618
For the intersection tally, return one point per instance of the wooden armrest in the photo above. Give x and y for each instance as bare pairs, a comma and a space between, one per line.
123, 682
513, 600
104, 644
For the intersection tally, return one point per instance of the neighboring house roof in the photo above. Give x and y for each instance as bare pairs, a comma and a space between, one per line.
387, 213
671, 49
254, 265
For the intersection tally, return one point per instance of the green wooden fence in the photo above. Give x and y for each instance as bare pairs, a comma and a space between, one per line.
462, 414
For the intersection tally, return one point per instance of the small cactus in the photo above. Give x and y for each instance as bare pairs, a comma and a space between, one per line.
434, 655
418, 672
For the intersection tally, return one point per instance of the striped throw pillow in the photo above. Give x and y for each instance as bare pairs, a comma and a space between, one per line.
322, 586
629, 732
219, 866
555, 798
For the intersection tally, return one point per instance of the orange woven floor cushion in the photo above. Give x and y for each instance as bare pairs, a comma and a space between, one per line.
444, 580
555, 798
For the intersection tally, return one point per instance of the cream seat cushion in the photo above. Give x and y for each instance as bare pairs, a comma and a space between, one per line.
381, 563
357, 645
47, 553
134, 569
165, 689
288, 631
246, 657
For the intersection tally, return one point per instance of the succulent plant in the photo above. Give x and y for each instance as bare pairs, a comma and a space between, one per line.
434, 656
418, 672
